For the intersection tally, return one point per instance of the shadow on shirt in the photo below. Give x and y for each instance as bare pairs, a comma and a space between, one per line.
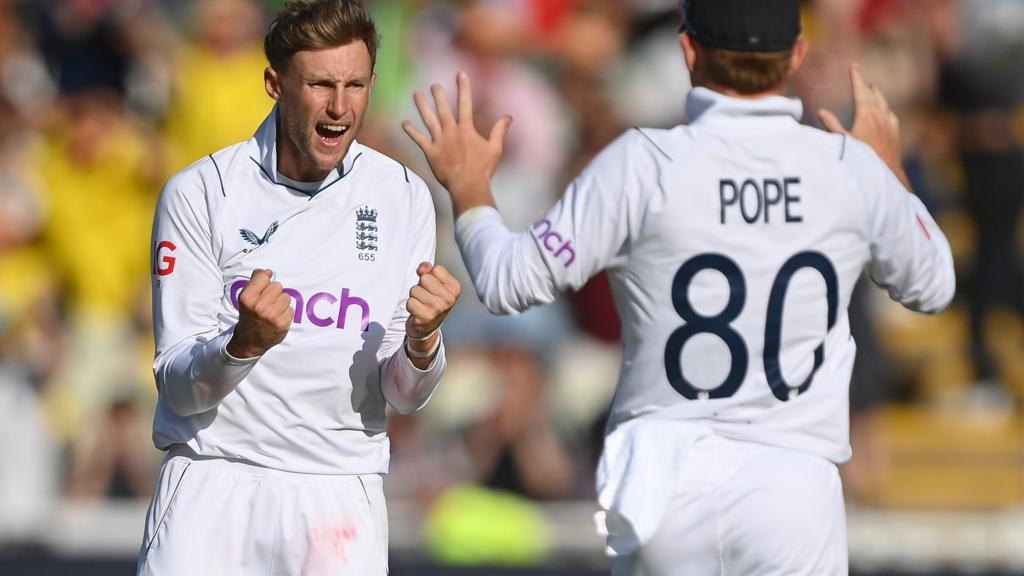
367, 398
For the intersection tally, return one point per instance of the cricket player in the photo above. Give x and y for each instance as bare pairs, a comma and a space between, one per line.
733, 244
294, 299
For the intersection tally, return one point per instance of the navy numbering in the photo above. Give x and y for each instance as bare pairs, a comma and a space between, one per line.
720, 324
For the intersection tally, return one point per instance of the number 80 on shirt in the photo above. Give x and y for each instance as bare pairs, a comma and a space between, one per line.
720, 324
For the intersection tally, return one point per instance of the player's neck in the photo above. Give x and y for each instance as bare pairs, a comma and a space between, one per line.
732, 93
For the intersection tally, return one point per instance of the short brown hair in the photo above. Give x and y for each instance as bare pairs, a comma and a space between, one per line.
317, 25
746, 72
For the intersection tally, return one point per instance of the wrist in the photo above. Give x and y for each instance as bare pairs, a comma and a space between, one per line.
470, 195
418, 349
423, 338
906, 182
238, 349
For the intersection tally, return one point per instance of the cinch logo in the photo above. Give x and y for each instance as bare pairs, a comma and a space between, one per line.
164, 265
309, 306
560, 245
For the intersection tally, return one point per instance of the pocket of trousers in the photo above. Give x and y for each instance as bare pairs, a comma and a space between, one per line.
168, 489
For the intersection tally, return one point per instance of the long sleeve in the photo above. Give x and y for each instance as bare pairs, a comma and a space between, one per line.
193, 371
586, 231
910, 256
405, 386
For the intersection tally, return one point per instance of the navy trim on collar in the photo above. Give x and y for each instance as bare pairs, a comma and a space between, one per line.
340, 177
265, 141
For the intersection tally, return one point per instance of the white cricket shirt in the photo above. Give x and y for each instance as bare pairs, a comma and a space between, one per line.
733, 245
346, 254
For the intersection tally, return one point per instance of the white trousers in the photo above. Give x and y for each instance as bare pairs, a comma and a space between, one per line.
215, 516
743, 509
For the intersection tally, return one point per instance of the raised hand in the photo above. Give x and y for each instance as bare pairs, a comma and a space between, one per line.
462, 159
264, 316
874, 123
429, 302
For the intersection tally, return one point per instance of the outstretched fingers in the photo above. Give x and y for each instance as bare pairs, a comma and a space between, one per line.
444, 109
421, 139
884, 110
427, 114
870, 108
465, 99
460, 156
863, 95
498, 132
831, 122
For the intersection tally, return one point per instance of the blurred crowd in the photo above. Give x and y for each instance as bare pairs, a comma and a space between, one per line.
101, 100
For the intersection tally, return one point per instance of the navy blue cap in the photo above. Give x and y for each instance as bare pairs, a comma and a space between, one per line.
743, 25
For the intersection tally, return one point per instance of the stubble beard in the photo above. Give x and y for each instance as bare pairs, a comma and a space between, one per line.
302, 136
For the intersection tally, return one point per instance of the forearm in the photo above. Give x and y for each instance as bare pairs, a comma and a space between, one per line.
467, 196
910, 255
506, 268
196, 375
408, 382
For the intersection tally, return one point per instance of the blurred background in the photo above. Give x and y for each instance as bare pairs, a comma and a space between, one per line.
101, 100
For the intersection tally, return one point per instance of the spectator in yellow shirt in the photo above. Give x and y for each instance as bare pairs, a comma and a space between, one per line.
97, 177
218, 93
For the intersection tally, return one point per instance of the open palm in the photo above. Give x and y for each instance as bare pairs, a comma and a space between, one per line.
461, 158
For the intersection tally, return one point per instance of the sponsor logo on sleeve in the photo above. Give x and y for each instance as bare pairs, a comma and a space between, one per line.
163, 262
553, 242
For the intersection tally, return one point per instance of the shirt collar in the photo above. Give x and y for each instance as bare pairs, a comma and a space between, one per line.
707, 108
266, 143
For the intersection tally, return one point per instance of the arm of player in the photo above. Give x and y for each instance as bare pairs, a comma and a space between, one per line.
412, 356
910, 256
192, 368
582, 234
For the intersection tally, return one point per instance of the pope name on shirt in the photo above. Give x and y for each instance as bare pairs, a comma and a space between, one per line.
754, 200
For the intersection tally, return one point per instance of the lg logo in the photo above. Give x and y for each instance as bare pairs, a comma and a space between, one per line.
163, 263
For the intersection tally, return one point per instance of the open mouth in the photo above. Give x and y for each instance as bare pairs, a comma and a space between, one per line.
330, 134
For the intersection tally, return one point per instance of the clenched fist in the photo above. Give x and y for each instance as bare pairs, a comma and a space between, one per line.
264, 316
429, 302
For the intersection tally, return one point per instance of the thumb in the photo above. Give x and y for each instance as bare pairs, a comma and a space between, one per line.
262, 276
424, 268
499, 130
831, 122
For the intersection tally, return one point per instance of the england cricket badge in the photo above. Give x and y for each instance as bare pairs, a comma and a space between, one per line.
366, 233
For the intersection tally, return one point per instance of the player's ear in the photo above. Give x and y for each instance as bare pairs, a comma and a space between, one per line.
796, 59
373, 81
272, 83
689, 51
